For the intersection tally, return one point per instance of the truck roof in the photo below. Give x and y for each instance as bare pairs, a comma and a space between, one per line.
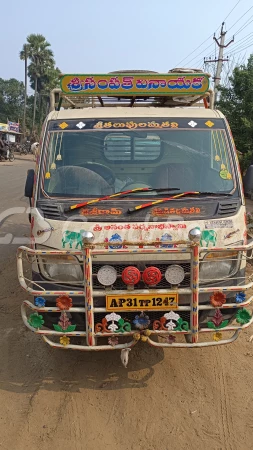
109, 112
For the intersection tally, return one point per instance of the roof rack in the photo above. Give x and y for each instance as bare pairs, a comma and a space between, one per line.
179, 87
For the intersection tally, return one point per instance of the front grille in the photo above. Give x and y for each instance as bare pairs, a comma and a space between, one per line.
228, 208
49, 210
119, 284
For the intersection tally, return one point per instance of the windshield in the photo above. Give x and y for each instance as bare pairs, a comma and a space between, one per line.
91, 157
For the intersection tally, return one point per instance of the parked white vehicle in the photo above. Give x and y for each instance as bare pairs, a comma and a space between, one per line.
138, 217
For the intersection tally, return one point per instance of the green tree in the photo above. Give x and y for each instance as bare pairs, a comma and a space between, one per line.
236, 102
11, 99
12, 94
41, 62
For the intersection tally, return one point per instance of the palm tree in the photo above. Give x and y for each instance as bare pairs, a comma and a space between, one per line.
41, 59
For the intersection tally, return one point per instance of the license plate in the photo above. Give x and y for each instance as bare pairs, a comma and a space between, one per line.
140, 302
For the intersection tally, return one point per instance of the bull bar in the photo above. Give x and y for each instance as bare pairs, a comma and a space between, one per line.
92, 334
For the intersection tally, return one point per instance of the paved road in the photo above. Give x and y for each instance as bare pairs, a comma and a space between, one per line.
176, 399
14, 225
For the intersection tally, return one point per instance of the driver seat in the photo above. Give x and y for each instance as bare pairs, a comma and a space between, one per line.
74, 180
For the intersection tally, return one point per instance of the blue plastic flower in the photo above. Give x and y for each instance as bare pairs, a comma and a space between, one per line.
141, 322
240, 297
40, 302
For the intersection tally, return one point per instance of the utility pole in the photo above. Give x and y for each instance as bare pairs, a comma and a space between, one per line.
24, 117
220, 60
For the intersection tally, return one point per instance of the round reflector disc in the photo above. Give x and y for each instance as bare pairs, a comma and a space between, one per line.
131, 275
174, 274
152, 276
107, 275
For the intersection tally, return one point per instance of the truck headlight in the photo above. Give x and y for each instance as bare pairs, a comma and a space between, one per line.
219, 265
62, 268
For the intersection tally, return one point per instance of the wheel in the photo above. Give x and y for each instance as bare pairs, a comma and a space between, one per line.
11, 157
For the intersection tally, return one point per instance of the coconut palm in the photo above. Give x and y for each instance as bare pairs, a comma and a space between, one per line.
41, 59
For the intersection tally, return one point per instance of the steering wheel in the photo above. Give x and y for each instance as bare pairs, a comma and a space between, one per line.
132, 185
104, 171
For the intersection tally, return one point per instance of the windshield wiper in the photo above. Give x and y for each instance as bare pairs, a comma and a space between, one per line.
174, 197
117, 194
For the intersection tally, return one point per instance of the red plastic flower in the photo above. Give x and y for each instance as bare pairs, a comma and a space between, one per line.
218, 299
64, 302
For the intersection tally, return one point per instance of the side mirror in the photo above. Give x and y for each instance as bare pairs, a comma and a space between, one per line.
29, 183
248, 181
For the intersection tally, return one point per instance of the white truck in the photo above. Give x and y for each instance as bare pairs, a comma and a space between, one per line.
138, 225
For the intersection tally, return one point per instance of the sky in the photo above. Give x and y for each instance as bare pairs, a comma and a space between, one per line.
100, 36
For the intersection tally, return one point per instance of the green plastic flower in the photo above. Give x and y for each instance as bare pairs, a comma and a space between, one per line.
243, 316
35, 320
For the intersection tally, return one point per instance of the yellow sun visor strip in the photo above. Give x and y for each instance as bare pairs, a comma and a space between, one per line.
130, 85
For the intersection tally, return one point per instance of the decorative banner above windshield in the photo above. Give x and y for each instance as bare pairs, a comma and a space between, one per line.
136, 85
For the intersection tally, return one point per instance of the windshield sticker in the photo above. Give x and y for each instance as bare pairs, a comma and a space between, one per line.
209, 124
219, 147
225, 174
131, 125
219, 224
80, 125
192, 124
63, 125
156, 212
229, 235
101, 212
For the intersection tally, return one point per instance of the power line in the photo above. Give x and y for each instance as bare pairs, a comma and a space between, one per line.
238, 45
238, 20
242, 49
194, 50
245, 48
206, 39
244, 37
232, 10
241, 29
211, 36
201, 53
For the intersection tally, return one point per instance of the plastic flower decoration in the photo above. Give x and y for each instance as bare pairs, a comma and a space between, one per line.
218, 299
40, 302
136, 336
217, 336
243, 316
64, 325
240, 297
141, 322
64, 302
171, 339
64, 340
113, 340
35, 320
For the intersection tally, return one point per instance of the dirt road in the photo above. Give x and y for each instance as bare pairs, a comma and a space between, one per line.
174, 399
